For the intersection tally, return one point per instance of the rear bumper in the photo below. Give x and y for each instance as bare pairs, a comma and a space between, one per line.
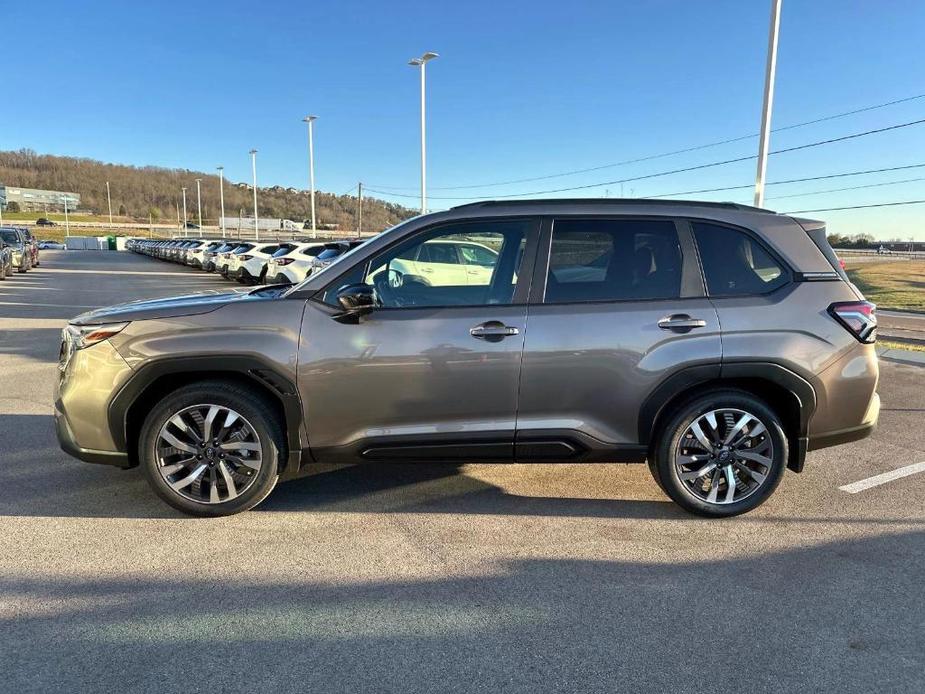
855, 433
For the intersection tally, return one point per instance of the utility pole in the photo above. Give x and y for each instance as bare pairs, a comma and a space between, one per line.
359, 209
311, 167
253, 154
221, 190
109, 200
184, 211
67, 224
765, 136
199, 203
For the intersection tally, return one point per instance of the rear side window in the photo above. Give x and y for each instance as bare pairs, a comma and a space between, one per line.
735, 264
613, 260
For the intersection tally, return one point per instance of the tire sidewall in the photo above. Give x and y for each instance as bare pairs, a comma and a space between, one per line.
667, 474
251, 408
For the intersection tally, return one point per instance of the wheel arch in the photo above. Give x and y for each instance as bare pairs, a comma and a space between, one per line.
153, 381
787, 393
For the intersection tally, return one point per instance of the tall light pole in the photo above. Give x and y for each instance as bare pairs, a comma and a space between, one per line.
67, 224
765, 136
109, 200
422, 63
221, 191
311, 166
184, 211
199, 202
253, 154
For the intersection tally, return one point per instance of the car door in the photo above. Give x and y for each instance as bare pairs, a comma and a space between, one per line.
433, 373
617, 307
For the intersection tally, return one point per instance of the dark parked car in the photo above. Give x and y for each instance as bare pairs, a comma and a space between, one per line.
43, 222
717, 342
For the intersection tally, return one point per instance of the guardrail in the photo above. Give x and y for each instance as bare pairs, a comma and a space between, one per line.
873, 251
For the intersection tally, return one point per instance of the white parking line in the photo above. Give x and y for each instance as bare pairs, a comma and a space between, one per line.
877, 480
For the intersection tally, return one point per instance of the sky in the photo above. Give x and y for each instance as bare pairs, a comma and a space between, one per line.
520, 90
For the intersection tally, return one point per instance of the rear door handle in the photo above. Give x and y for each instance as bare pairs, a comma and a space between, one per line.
493, 331
681, 323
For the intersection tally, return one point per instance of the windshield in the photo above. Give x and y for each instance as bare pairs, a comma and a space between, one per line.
9, 236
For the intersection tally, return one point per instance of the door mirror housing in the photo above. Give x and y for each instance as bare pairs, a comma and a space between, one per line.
356, 300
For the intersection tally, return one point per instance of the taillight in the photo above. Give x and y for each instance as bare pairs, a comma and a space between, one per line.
858, 317
284, 261
245, 257
841, 263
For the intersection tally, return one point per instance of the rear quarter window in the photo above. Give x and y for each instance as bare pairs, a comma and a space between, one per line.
736, 264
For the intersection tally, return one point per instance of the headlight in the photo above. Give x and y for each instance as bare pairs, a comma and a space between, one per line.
82, 336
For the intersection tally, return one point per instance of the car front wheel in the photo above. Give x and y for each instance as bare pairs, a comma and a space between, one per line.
721, 454
212, 449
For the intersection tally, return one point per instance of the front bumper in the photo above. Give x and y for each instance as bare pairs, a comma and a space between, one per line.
88, 455
84, 388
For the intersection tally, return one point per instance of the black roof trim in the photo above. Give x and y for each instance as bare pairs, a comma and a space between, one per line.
616, 202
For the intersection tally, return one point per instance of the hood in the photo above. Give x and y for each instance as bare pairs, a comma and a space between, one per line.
174, 306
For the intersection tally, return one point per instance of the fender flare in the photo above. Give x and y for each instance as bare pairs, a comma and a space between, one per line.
796, 386
252, 367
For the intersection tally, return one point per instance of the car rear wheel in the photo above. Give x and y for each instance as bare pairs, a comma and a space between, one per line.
721, 454
212, 449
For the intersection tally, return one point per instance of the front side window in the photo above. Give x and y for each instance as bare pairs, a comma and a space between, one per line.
734, 264
434, 268
613, 260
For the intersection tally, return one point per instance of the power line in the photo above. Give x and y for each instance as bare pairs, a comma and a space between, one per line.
840, 190
666, 154
687, 169
791, 180
859, 207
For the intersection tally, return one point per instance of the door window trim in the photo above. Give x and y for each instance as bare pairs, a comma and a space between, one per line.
692, 282
524, 277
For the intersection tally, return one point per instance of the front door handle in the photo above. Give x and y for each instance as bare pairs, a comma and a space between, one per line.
493, 331
681, 323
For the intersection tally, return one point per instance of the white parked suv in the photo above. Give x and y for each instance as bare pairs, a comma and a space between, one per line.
446, 262
248, 265
292, 262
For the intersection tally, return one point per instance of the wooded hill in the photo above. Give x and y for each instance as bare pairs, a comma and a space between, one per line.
150, 190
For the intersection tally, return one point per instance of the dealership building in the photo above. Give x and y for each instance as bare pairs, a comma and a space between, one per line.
34, 200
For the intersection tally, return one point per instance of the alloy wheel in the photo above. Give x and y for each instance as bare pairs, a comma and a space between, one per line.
724, 456
208, 453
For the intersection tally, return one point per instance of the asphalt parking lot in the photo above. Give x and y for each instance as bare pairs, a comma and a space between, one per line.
440, 578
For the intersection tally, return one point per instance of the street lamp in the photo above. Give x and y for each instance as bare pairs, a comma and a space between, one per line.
109, 200
221, 190
311, 166
422, 63
199, 202
184, 210
253, 154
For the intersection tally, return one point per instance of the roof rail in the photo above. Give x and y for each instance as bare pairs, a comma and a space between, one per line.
616, 202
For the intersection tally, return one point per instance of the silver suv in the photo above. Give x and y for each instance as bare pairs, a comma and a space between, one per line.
717, 342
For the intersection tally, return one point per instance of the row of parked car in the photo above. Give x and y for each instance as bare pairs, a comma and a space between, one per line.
248, 262
18, 251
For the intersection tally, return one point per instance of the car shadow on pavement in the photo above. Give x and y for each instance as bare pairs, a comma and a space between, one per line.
38, 479
441, 488
841, 616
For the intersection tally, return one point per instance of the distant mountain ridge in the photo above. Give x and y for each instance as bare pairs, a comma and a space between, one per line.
140, 191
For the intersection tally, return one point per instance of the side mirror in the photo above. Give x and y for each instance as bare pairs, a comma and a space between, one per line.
356, 300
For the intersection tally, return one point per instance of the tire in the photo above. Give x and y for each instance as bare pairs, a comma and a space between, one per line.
22, 269
206, 474
680, 451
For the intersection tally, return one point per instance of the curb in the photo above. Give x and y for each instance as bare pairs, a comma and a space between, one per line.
902, 356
